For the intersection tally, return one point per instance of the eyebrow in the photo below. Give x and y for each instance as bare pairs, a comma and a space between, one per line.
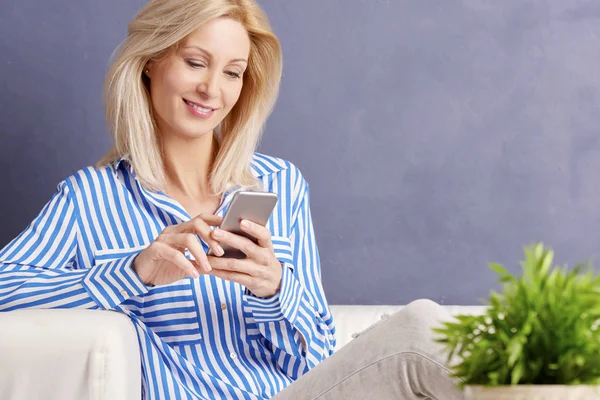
211, 56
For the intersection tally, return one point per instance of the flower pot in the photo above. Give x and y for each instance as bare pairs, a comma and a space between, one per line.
532, 392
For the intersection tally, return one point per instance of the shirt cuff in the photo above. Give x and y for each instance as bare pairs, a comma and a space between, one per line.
113, 282
283, 305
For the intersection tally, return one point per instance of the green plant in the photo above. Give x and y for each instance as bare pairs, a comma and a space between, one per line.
542, 328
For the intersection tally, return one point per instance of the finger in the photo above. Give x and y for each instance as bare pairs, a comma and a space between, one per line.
168, 253
171, 229
260, 232
199, 226
245, 245
242, 279
246, 266
211, 220
208, 219
191, 242
182, 241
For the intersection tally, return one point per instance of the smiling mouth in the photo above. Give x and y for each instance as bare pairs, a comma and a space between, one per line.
199, 107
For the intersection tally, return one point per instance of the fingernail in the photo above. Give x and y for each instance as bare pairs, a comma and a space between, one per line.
220, 251
245, 224
218, 233
207, 266
195, 274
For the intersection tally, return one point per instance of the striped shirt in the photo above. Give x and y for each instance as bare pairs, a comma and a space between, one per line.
203, 338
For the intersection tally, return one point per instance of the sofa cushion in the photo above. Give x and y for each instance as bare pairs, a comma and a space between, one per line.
350, 321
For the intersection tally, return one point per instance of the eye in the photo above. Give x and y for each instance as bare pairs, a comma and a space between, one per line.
194, 64
233, 74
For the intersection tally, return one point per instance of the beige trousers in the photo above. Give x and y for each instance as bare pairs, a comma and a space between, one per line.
396, 359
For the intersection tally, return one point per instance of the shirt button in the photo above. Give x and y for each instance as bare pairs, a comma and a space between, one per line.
223, 306
233, 355
124, 292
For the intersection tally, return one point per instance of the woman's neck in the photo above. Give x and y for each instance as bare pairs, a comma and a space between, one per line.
188, 164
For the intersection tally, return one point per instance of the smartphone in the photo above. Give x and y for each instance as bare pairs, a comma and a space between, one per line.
252, 206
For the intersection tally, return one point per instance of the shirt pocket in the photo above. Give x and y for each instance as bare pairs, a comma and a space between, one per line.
170, 311
106, 255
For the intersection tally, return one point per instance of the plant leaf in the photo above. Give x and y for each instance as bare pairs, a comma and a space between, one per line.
517, 374
499, 269
515, 347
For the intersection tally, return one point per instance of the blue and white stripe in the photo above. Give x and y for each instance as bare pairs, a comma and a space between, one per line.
202, 338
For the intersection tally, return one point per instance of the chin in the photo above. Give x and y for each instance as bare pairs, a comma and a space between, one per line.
197, 132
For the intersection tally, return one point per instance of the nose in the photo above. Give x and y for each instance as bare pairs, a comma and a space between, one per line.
209, 84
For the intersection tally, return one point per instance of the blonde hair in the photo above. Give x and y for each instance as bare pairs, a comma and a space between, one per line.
159, 27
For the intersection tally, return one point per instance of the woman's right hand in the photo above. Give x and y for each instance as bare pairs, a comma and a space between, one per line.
164, 261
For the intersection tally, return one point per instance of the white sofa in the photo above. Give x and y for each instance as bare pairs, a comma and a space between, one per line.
80, 355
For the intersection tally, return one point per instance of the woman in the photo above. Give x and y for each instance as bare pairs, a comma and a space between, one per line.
186, 97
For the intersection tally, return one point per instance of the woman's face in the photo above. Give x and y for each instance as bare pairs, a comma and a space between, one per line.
194, 88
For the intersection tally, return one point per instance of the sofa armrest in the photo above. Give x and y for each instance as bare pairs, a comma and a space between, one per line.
68, 354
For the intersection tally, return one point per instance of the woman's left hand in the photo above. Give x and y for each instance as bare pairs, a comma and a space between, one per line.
260, 271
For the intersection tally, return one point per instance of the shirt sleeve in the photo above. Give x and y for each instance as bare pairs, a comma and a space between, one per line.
40, 268
296, 321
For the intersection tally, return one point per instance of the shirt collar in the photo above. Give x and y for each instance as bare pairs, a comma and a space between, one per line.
124, 163
261, 165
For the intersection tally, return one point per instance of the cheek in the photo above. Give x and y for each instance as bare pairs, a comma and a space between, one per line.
167, 89
168, 86
232, 95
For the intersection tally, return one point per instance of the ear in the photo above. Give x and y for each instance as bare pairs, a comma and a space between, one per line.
148, 69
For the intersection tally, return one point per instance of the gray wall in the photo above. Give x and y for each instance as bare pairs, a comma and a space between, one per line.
436, 135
